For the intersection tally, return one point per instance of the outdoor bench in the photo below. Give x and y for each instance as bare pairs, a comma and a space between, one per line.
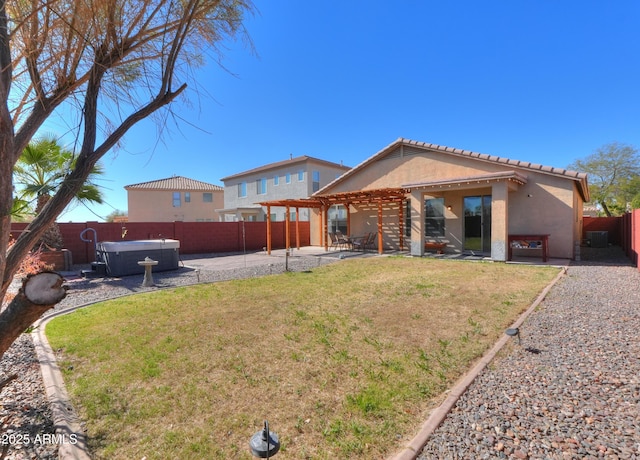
529, 242
434, 245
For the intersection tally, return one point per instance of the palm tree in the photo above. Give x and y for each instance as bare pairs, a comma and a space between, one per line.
38, 174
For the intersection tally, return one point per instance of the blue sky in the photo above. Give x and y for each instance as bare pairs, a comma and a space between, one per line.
546, 81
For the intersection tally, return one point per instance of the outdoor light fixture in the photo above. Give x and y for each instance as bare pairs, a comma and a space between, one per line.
449, 207
264, 443
513, 332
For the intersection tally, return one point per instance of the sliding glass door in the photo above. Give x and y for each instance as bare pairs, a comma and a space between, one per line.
477, 223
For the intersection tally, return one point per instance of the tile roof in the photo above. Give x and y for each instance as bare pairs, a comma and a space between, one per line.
281, 164
174, 183
580, 178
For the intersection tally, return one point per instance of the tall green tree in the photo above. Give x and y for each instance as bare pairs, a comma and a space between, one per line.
611, 169
41, 169
112, 216
102, 66
631, 192
38, 174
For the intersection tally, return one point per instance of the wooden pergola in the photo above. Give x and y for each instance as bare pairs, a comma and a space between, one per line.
324, 202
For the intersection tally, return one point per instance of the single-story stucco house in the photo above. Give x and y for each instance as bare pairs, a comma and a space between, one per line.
416, 196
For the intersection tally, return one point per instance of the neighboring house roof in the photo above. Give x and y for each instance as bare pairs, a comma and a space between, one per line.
175, 183
579, 178
281, 164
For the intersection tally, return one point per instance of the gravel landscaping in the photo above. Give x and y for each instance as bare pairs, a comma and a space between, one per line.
569, 390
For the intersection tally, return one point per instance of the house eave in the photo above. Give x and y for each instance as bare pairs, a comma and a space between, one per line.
470, 181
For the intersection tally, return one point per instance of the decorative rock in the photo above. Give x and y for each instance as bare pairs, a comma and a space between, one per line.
580, 396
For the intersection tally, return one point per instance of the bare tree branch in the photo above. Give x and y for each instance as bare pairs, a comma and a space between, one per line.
88, 58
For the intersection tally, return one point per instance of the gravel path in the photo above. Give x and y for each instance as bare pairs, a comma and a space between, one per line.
579, 397
575, 394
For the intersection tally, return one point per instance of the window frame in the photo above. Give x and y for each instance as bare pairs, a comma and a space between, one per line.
261, 186
434, 219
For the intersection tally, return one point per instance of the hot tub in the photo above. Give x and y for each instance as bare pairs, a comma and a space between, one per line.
121, 257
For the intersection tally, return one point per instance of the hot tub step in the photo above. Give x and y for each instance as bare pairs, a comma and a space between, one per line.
88, 274
99, 269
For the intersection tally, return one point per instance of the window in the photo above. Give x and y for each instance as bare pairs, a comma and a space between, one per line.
187, 197
337, 219
242, 189
261, 186
276, 180
301, 175
288, 178
207, 197
316, 181
434, 217
176, 199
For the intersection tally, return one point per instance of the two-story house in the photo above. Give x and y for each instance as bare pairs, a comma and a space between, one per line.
294, 178
173, 199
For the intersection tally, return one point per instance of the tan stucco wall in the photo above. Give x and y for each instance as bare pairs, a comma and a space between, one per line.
546, 204
157, 206
398, 171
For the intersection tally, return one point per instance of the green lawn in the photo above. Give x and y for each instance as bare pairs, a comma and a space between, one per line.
344, 362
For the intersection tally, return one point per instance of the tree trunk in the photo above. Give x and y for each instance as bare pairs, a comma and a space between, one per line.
38, 293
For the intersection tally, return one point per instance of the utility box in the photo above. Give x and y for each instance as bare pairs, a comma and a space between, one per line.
598, 239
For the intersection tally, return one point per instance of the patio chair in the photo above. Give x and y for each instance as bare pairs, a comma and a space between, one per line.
360, 243
343, 241
338, 241
370, 242
334, 241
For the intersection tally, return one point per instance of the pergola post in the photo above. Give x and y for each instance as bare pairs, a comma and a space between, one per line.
380, 227
325, 226
269, 229
287, 237
297, 228
320, 220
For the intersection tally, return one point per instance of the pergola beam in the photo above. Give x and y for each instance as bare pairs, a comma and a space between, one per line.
324, 203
